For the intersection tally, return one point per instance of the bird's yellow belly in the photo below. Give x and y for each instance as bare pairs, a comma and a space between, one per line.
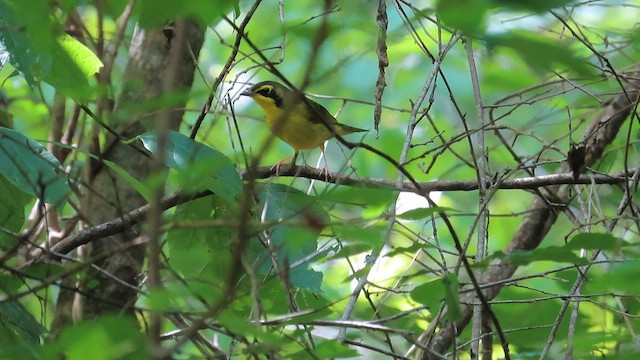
298, 132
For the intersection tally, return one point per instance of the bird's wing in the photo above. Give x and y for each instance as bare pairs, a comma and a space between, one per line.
316, 112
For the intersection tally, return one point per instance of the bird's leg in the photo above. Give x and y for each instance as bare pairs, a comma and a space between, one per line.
291, 161
325, 170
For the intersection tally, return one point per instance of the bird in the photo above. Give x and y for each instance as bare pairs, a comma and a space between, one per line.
296, 120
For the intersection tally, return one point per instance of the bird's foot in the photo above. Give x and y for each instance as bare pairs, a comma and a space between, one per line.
325, 172
287, 163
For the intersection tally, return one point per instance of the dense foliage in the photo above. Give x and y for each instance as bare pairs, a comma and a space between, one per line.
489, 212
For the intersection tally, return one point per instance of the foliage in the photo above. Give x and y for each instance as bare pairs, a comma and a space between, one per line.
384, 255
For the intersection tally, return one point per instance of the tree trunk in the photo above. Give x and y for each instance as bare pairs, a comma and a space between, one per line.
111, 284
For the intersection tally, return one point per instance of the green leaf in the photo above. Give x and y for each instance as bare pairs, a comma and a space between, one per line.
299, 220
562, 254
411, 250
361, 237
537, 6
140, 187
40, 50
622, 278
240, 325
551, 253
117, 337
464, 15
352, 249
178, 297
356, 196
21, 44
201, 252
422, 213
43, 270
19, 332
30, 167
73, 68
15, 316
199, 166
470, 16
373, 201
452, 297
12, 203
540, 53
155, 13
595, 241
330, 349
430, 294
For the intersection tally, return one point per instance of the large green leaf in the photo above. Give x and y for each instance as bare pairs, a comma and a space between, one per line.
471, 16
108, 337
430, 294
531, 5
12, 203
540, 53
14, 34
618, 277
158, 12
373, 201
73, 68
299, 220
433, 292
40, 50
466, 16
200, 249
19, 332
561, 254
18, 321
29, 166
198, 166
557, 254
423, 213
265, 336
593, 241
328, 349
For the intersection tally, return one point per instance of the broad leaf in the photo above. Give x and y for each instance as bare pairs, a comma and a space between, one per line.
12, 203
199, 167
432, 293
541, 54
41, 51
155, 13
466, 16
329, 349
422, 213
595, 241
116, 337
298, 221
19, 331
14, 316
30, 167
538, 6
73, 69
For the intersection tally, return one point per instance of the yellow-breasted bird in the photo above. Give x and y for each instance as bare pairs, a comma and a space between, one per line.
301, 124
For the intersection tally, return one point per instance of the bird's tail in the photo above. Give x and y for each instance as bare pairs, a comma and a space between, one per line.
346, 129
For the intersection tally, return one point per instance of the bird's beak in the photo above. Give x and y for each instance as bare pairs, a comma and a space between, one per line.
247, 92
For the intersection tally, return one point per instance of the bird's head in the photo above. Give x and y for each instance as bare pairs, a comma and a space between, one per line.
268, 94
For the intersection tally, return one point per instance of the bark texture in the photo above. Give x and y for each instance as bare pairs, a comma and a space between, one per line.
156, 66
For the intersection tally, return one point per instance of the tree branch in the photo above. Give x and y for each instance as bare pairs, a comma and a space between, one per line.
524, 183
135, 216
540, 217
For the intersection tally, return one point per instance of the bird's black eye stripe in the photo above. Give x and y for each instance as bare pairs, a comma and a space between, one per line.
264, 91
269, 92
